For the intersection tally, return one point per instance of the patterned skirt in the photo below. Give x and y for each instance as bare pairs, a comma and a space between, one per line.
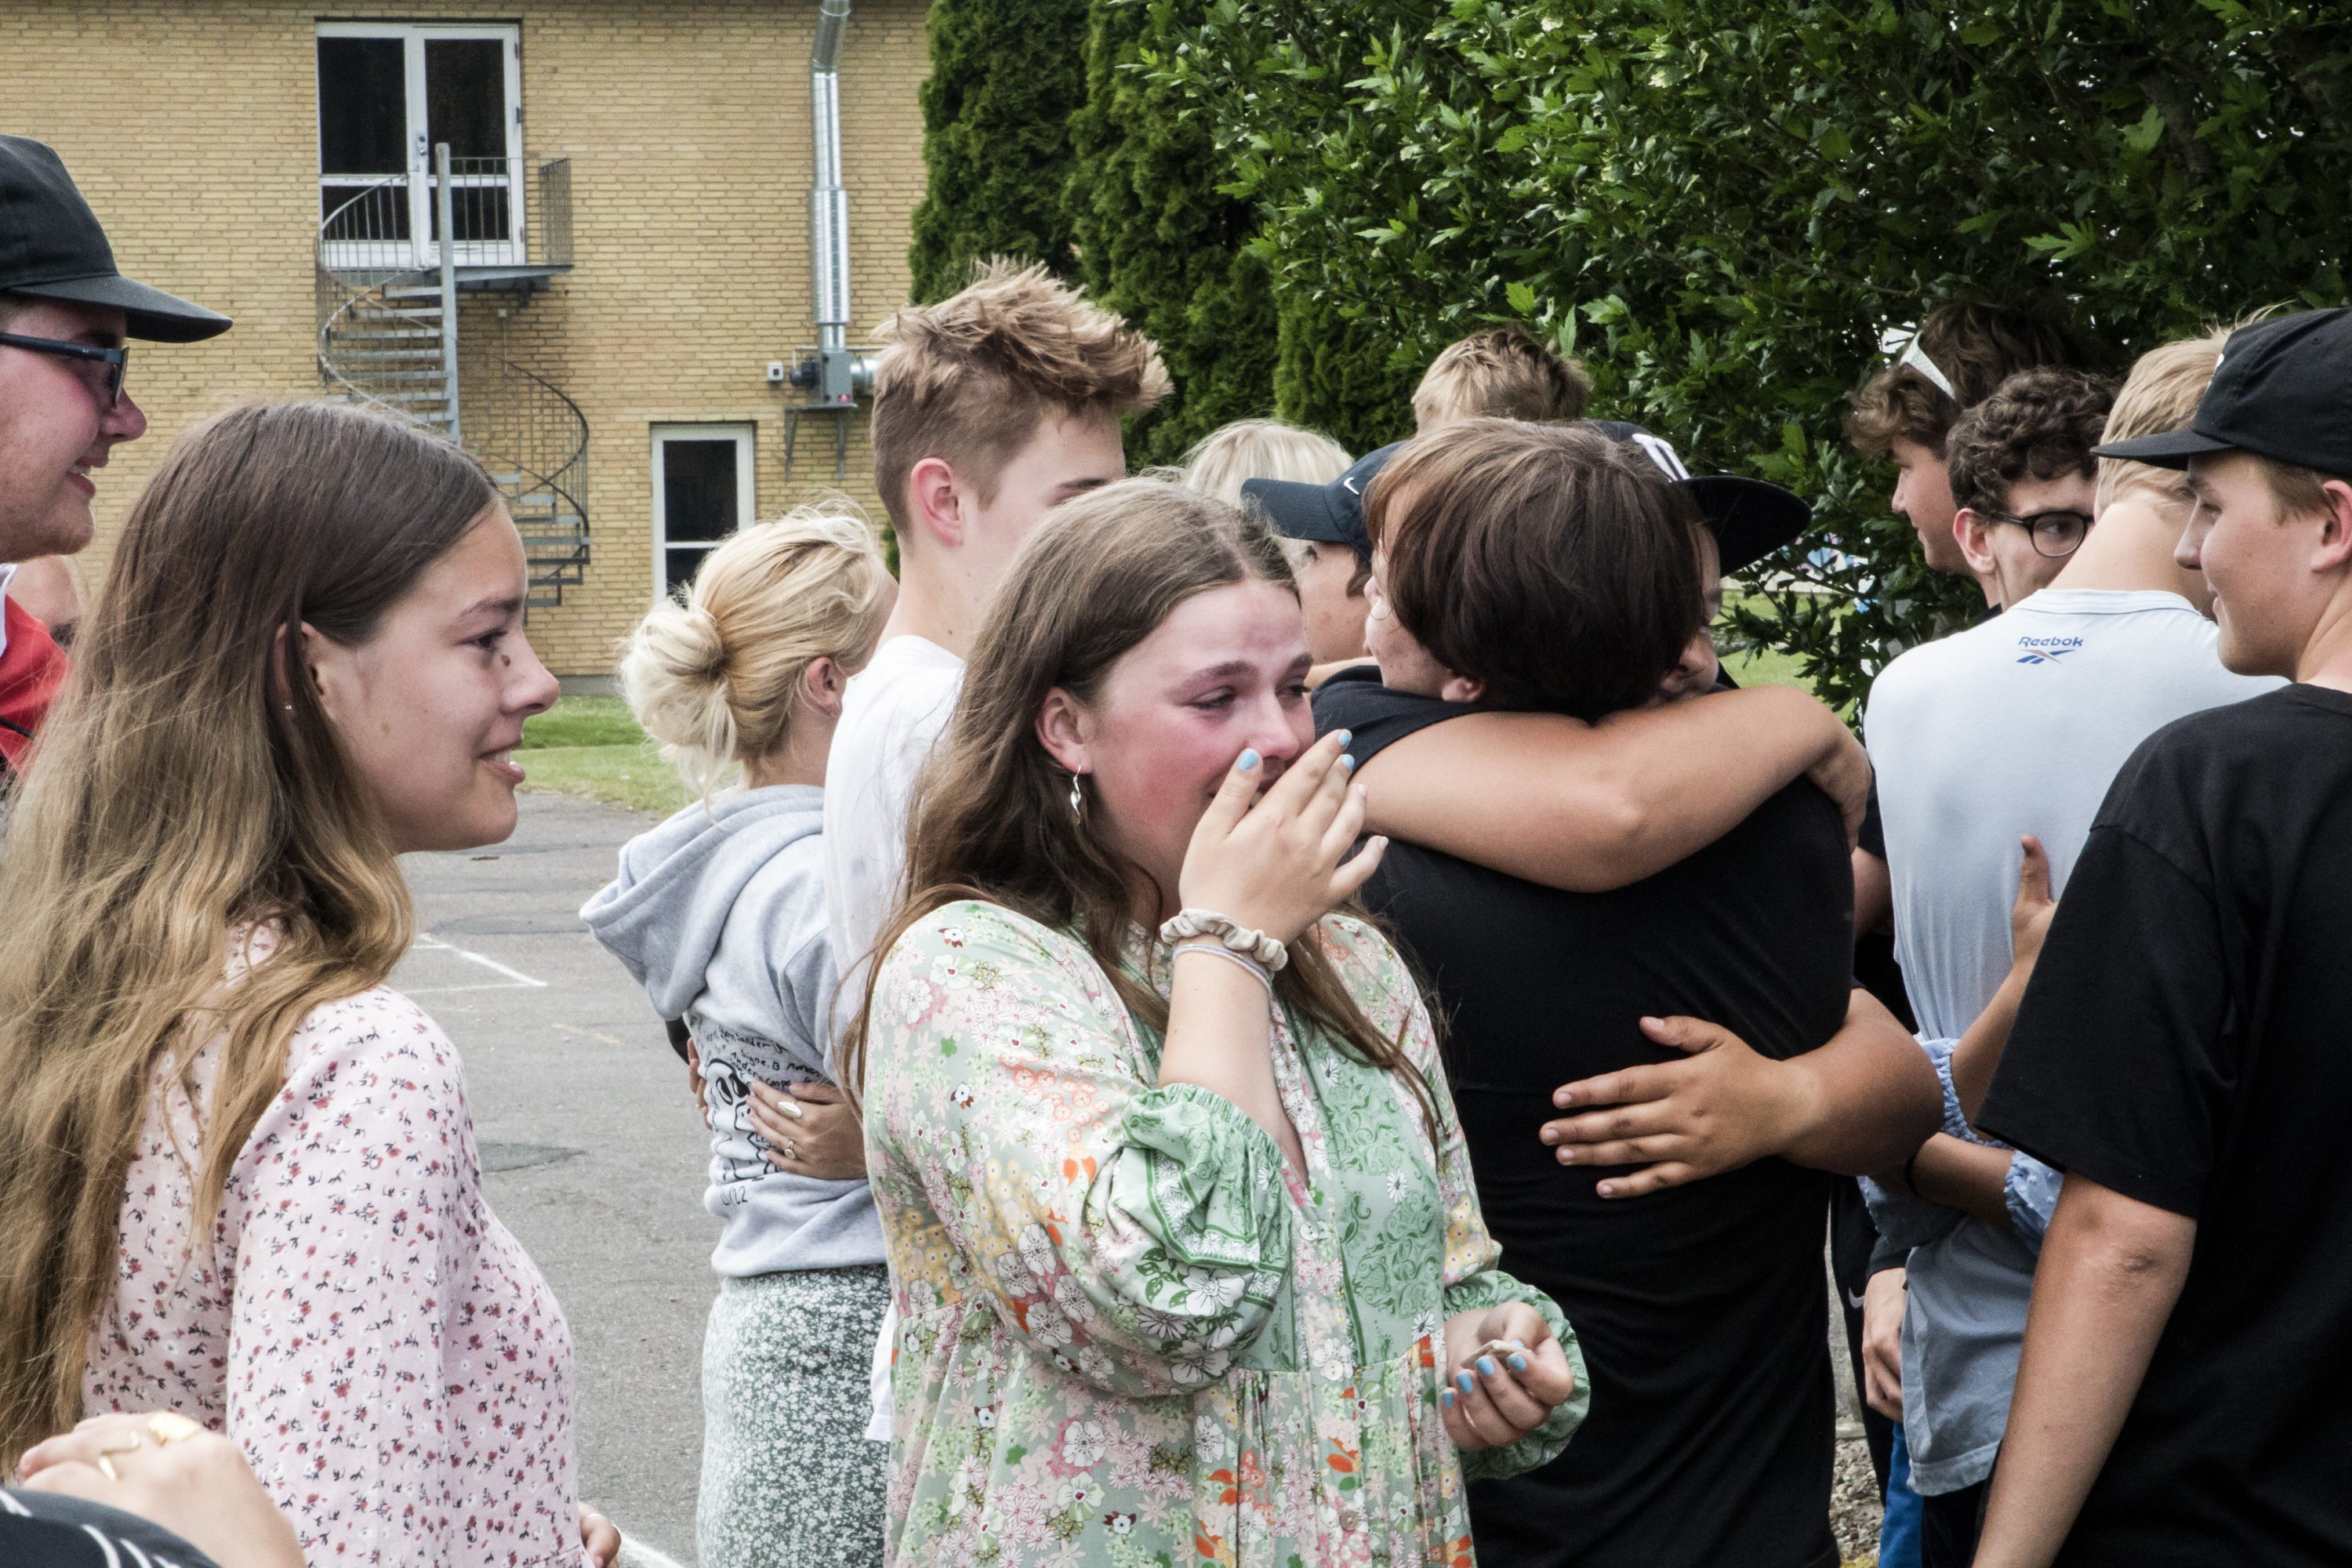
789, 1477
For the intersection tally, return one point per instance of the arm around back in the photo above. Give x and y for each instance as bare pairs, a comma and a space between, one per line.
1590, 807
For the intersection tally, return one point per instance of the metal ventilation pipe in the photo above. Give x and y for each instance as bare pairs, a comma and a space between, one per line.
837, 376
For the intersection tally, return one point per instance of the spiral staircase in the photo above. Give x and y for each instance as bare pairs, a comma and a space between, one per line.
388, 339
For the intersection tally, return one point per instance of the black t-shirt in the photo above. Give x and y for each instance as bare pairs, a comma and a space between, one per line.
1700, 1309
44, 1530
2187, 1041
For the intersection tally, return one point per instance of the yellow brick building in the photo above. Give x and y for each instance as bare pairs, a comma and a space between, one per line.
634, 231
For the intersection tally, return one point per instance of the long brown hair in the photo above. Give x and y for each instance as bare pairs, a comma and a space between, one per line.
184, 787
990, 818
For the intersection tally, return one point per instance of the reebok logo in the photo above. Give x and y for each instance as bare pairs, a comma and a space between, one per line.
2046, 650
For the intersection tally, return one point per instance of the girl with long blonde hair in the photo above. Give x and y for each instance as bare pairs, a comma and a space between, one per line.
1188, 1262
720, 914
237, 1174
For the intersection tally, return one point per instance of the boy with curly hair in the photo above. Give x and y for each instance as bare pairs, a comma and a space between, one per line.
1905, 411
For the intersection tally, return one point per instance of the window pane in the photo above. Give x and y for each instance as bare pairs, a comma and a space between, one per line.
362, 107
477, 213
698, 490
678, 567
466, 95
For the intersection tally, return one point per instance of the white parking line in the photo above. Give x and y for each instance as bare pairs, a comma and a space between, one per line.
516, 979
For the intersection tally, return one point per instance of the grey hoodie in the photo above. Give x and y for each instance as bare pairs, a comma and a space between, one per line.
719, 914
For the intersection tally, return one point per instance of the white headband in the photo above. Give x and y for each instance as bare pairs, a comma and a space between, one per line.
1916, 358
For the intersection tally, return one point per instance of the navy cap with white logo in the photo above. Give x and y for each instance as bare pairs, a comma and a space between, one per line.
1326, 514
2282, 389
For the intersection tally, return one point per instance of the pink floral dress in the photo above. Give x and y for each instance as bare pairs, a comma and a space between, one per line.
1129, 1332
390, 1360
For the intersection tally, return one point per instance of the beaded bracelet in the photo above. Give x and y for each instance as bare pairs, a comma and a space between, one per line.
1209, 946
1255, 944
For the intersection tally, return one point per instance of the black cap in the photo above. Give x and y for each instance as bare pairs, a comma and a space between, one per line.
51, 248
1750, 518
1326, 514
2282, 389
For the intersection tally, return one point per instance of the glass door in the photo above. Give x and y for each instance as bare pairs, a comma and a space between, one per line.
702, 493
387, 93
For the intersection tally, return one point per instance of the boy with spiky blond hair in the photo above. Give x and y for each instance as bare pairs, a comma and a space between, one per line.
991, 408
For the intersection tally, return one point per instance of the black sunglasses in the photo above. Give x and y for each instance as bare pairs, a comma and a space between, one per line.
116, 361
2055, 534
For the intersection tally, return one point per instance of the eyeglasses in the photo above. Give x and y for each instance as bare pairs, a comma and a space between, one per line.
116, 361
2055, 534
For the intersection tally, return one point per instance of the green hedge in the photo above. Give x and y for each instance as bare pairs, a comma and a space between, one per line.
1721, 208
1006, 74
1157, 243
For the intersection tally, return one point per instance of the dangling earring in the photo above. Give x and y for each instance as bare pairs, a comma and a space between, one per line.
1077, 797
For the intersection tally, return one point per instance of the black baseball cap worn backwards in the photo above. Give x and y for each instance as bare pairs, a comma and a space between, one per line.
1750, 518
51, 248
2282, 390
1324, 514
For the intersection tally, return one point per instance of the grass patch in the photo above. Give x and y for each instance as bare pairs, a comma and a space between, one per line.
1765, 666
590, 747
583, 721
1760, 666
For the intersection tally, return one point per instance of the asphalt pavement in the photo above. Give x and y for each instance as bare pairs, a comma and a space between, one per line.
591, 1152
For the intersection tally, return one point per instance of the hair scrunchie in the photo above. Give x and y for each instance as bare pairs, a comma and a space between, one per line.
1255, 944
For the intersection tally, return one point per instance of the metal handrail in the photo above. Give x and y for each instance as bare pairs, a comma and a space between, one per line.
525, 430
503, 211
533, 428
341, 290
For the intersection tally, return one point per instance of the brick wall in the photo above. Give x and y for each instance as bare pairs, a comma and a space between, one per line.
192, 128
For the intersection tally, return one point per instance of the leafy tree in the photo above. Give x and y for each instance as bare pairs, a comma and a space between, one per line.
1343, 373
1005, 77
1721, 209
1157, 243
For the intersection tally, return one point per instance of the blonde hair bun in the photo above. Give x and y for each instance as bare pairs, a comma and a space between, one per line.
715, 676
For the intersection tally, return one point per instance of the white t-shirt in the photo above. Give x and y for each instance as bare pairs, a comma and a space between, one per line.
2018, 726
891, 713
2015, 726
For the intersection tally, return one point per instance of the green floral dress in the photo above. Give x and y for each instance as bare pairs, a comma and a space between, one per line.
1129, 1332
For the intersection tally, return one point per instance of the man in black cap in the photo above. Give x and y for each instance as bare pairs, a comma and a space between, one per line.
2184, 1396
64, 311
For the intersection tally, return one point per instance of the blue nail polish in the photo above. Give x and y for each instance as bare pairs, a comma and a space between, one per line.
1445, 1397
1486, 1366
1248, 759
1462, 1381
1345, 735
1518, 1363
1346, 763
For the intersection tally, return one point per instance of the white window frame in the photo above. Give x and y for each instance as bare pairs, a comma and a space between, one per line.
746, 439
508, 252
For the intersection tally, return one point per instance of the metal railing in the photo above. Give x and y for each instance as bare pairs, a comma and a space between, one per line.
387, 335
503, 213
534, 440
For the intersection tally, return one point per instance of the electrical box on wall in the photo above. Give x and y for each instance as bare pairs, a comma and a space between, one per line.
775, 373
